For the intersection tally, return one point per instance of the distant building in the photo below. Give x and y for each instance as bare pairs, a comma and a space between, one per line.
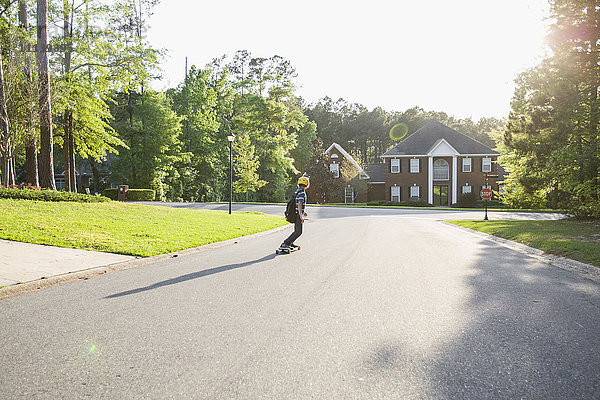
436, 164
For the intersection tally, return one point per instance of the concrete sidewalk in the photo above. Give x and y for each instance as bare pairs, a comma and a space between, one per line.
25, 262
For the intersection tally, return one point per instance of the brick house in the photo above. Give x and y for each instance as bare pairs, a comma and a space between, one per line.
436, 164
341, 163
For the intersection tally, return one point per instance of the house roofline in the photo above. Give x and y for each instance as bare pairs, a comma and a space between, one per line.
438, 143
429, 155
348, 157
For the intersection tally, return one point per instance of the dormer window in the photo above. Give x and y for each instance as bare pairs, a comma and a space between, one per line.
334, 155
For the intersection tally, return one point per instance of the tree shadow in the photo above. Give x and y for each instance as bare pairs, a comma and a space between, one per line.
532, 332
191, 276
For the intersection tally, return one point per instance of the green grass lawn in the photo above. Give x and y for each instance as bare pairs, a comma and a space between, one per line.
124, 228
578, 240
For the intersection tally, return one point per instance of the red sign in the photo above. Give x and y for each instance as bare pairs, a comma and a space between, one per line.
486, 193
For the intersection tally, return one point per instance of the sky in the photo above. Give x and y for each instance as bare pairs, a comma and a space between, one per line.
456, 56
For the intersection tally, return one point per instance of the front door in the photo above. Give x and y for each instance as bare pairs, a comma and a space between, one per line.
440, 195
349, 195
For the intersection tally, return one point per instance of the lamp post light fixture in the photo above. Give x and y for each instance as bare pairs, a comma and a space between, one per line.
230, 139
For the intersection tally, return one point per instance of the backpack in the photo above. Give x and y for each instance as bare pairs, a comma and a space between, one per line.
290, 210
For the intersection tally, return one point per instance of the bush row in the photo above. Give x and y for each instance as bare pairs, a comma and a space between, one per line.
132, 194
406, 203
49, 195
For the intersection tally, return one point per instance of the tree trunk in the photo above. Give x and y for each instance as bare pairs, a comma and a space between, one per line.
96, 177
46, 167
5, 144
67, 151
31, 162
72, 154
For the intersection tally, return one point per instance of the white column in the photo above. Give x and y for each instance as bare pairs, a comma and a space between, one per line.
430, 180
454, 180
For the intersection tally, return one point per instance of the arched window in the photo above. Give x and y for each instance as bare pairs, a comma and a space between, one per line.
441, 170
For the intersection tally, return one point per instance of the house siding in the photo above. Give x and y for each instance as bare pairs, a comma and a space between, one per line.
405, 179
341, 184
376, 192
476, 178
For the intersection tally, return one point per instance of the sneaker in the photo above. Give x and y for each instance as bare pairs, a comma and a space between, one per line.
284, 247
294, 246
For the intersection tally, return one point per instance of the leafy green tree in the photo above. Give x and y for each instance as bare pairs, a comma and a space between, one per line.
205, 102
551, 144
94, 62
246, 166
46, 165
152, 140
266, 107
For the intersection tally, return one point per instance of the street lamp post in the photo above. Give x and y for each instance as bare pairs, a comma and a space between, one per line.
230, 139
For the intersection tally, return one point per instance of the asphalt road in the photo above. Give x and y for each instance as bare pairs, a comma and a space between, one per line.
376, 305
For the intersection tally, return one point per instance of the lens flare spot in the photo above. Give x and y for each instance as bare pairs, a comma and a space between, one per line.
398, 131
92, 349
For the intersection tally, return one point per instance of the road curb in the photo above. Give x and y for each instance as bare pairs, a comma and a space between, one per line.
584, 270
88, 273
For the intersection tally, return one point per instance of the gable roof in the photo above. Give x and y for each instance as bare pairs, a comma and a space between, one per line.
376, 172
425, 140
348, 157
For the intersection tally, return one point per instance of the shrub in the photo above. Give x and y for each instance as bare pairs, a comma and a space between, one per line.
132, 194
111, 193
50, 195
466, 200
414, 202
490, 203
141, 194
584, 203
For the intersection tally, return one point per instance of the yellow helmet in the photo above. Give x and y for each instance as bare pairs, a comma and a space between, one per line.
303, 180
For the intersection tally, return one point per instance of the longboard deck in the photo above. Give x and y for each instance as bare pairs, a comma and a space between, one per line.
280, 251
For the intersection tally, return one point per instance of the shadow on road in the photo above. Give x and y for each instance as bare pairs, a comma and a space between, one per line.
532, 333
193, 275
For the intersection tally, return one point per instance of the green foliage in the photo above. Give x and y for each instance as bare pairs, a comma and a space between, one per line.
266, 107
550, 147
50, 195
204, 101
416, 203
466, 200
407, 203
111, 193
141, 195
150, 129
246, 166
132, 194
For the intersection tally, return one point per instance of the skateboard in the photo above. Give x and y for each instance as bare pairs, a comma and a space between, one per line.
286, 251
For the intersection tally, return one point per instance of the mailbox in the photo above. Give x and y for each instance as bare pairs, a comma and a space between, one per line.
122, 193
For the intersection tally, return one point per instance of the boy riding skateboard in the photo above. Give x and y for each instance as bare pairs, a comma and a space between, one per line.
300, 200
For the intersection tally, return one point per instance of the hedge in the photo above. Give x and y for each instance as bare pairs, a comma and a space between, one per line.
132, 194
412, 202
50, 195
